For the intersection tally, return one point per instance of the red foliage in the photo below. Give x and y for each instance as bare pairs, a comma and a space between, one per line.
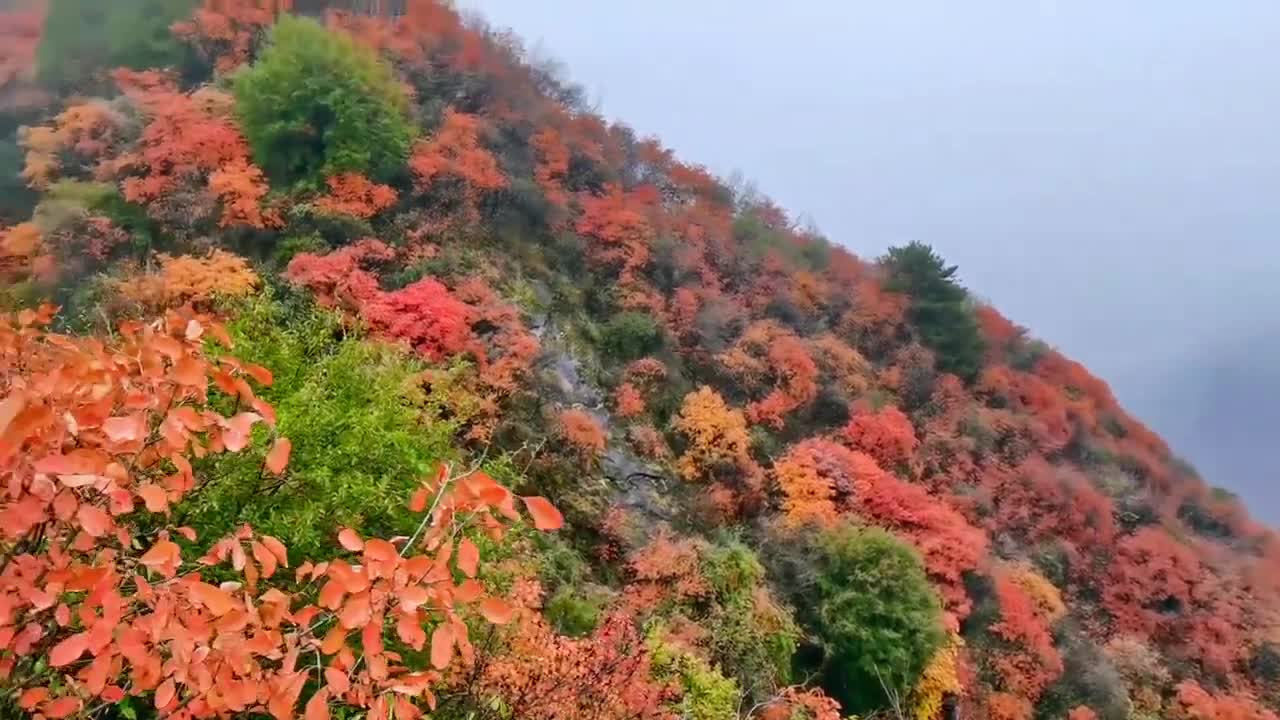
768, 355
886, 435
425, 315
355, 195
1151, 579
552, 168
1031, 662
1041, 502
1193, 703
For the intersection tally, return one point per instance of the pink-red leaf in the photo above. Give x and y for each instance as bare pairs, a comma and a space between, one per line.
545, 515
278, 458
69, 650
350, 540
496, 611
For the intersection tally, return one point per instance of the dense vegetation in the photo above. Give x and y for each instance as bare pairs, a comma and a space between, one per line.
320, 317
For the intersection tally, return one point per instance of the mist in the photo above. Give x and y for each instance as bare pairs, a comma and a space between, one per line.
1104, 173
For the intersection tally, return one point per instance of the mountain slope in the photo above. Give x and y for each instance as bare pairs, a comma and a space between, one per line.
790, 477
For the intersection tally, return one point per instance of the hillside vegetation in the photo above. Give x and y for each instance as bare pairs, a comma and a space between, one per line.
351, 367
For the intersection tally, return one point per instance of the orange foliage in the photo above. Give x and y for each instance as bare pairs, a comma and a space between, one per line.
820, 479
540, 675
226, 32
628, 401
666, 570
187, 279
717, 437
190, 140
1005, 706
770, 355
355, 195
1031, 661
841, 365
90, 434
86, 131
583, 431
795, 703
616, 221
23, 253
455, 153
552, 168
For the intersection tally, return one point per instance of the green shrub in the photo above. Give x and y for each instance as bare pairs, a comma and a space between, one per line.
316, 103
630, 335
706, 694
84, 37
940, 310
355, 416
877, 616
573, 612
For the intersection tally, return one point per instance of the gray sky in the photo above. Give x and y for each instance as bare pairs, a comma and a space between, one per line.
1104, 172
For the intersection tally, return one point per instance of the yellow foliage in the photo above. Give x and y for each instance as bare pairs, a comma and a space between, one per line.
939, 679
717, 435
1045, 595
187, 279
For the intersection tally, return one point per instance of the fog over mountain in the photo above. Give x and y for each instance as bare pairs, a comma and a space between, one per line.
1104, 173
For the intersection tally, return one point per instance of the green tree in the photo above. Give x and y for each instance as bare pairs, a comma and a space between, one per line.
316, 103
630, 335
83, 37
940, 309
879, 619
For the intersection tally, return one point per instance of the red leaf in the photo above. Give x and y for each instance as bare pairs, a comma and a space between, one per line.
468, 557
32, 697
278, 458
442, 640
94, 520
355, 613
350, 540
154, 497
259, 373
190, 372
545, 515
317, 706
9, 409
496, 611
69, 650
418, 501
165, 693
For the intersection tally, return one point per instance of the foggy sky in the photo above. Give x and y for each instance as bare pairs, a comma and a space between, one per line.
1104, 172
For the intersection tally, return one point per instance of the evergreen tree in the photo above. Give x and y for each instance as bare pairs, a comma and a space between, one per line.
940, 310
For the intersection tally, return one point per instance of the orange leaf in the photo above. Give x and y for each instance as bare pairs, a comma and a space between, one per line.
412, 597
545, 515
355, 613
154, 497
190, 372
468, 557
467, 591
125, 429
69, 650
278, 458
259, 373
218, 601
333, 640
496, 611
418, 501
337, 680
93, 520
265, 558
165, 693
350, 540
32, 697
442, 640
61, 707
277, 548
317, 706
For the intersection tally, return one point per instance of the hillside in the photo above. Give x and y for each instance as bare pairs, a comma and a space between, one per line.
351, 367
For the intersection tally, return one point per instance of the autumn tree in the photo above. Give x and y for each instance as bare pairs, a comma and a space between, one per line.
352, 194
454, 156
316, 104
187, 279
716, 434
939, 307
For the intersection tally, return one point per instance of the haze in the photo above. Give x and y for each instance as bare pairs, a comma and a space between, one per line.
1105, 173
